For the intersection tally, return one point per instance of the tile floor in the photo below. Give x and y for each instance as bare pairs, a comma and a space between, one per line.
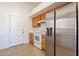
22, 50
62, 51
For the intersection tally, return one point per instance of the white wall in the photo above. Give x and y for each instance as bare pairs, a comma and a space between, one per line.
6, 11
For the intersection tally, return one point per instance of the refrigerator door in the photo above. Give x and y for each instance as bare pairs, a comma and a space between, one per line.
66, 30
49, 40
49, 46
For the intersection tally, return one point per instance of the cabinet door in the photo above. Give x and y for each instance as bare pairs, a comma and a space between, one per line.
34, 20
32, 23
43, 41
38, 18
31, 38
42, 17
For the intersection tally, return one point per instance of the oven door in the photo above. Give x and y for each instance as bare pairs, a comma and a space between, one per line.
37, 38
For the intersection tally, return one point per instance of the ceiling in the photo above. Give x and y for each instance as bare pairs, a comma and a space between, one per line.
34, 4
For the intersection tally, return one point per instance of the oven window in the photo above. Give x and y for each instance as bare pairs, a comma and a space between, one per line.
37, 38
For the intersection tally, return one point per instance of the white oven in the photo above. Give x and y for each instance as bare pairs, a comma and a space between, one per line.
37, 39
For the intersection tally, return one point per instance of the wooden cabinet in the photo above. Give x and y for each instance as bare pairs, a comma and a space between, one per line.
31, 38
34, 20
37, 19
33, 24
42, 17
43, 41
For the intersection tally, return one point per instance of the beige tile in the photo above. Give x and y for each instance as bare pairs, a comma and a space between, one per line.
3, 54
29, 50
4, 50
9, 52
22, 50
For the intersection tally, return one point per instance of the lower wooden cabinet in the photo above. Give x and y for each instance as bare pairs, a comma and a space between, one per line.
31, 38
43, 42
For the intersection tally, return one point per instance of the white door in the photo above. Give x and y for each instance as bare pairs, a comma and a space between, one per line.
17, 31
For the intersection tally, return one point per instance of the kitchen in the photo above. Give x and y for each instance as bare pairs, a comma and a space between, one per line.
42, 29
55, 28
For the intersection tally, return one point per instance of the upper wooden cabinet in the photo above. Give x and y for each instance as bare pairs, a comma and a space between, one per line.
37, 19
34, 20
42, 17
